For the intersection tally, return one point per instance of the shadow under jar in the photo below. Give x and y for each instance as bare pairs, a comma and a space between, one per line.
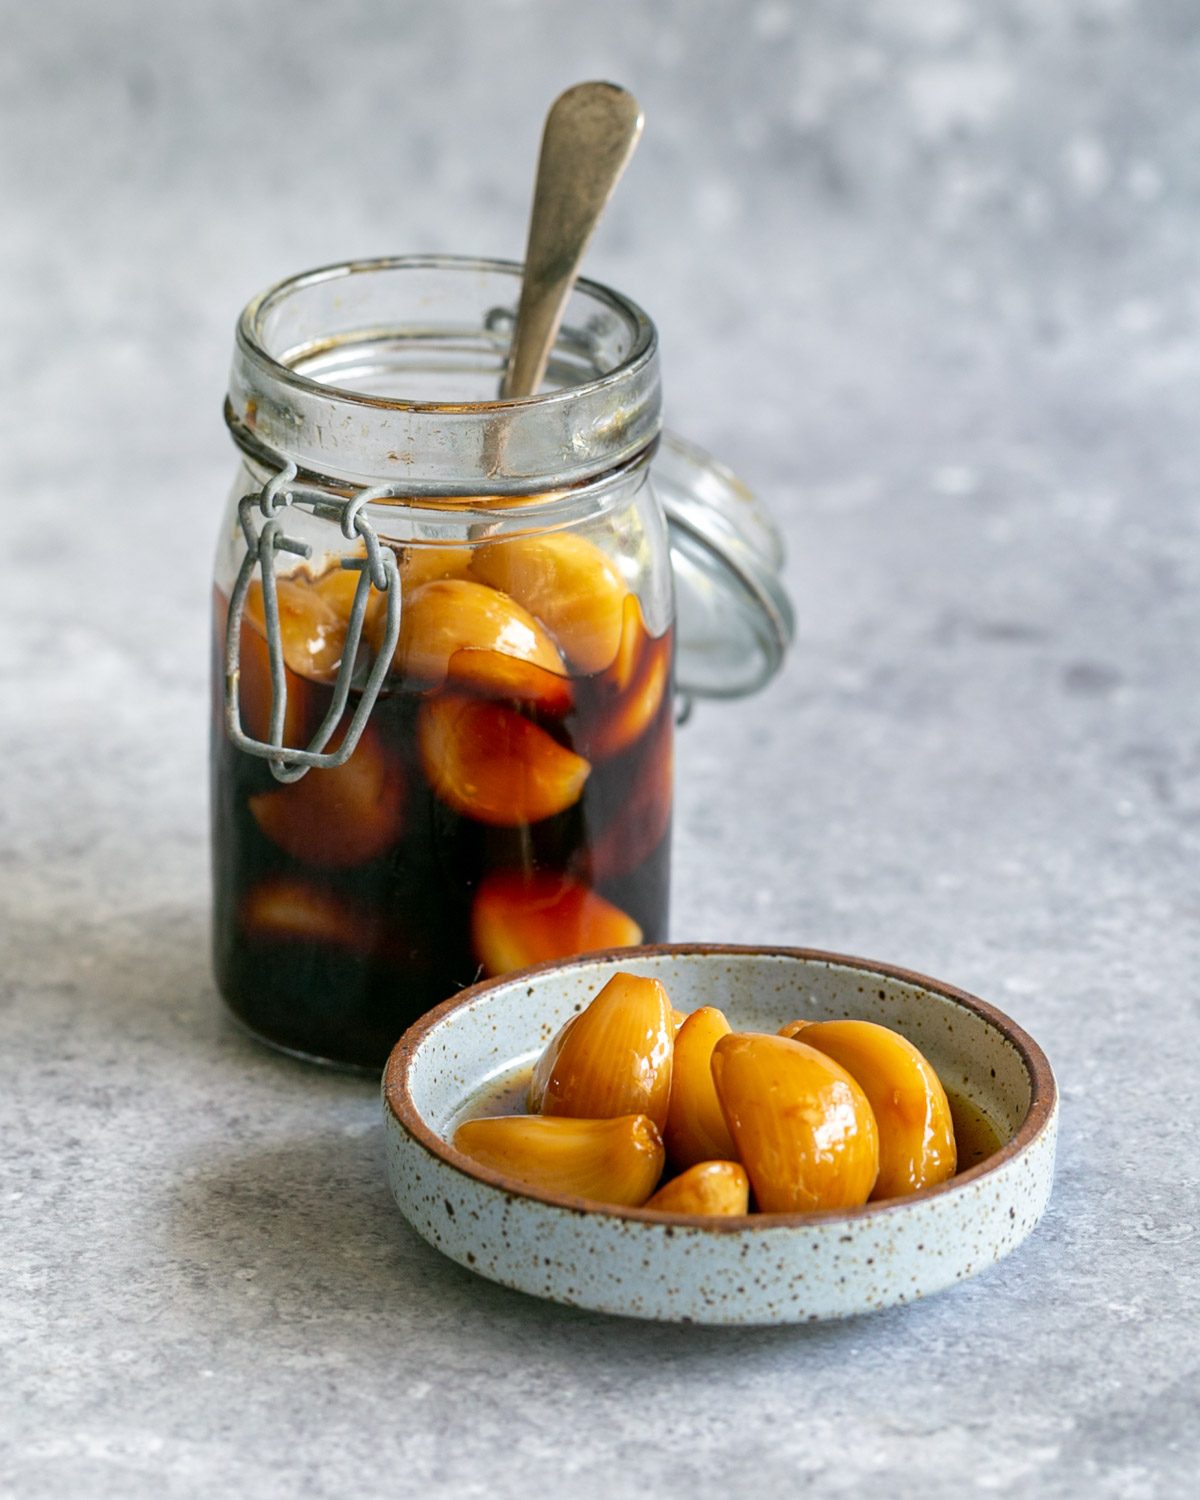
444, 646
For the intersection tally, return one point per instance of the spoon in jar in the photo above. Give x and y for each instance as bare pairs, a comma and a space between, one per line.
589, 136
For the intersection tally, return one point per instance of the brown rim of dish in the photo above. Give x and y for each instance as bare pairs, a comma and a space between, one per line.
398, 1097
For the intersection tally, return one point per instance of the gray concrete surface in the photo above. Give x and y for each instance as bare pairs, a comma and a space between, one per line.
927, 275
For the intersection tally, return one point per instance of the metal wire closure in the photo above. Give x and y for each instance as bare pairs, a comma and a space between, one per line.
378, 567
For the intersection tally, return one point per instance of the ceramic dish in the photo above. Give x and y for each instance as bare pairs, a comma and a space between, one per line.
472, 1055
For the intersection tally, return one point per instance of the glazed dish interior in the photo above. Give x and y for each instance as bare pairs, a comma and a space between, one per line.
478, 1054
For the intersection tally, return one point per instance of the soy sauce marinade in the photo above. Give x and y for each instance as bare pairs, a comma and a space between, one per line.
495, 813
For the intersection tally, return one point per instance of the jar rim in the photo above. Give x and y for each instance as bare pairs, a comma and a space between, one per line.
252, 338
386, 325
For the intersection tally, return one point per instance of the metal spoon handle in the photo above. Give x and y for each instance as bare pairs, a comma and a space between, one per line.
589, 136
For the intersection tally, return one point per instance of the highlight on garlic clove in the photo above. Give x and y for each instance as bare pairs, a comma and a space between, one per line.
569, 583
311, 630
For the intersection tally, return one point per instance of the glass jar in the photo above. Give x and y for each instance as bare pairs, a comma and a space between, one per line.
445, 645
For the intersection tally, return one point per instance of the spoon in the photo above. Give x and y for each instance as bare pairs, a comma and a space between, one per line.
589, 136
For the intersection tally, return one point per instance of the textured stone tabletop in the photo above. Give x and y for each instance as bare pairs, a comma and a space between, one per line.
929, 281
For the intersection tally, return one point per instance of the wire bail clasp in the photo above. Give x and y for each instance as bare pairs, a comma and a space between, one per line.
378, 568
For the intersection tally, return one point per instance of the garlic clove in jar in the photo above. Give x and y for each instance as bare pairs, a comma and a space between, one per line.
519, 919
288, 910
338, 817
568, 583
443, 616
510, 679
311, 630
489, 763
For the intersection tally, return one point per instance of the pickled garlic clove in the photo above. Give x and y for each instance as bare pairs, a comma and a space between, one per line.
442, 617
793, 1028
519, 919
709, 1187
423, 564
678, 1017
310, 628
337, 588
255, 691
916, 1132
634, 636
340, 817
615, 1059
643, 820
696, 1130
804, 1129
488, 763
507, 677
568, 583
544, 1066
634, 711
293, 911
616, 1161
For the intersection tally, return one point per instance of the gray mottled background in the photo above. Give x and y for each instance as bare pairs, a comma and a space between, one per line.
926, 273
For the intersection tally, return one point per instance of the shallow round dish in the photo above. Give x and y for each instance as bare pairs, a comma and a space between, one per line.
472, 1054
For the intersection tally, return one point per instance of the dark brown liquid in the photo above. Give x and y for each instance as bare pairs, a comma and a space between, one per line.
335, 962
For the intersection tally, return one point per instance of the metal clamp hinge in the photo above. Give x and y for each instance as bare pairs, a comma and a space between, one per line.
378, 568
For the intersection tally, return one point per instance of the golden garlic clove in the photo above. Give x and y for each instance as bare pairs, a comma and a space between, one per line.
710, 1187
634, 637
339, 817
488, 763
544, 1066
615, 1161
442, 617
422, 564
793, 1028
624, 723
803, 1127
678, 1017
615, 1059
696, 1130
507, 677
293, 911
643, 820
311, 630
916, 1131
254, 684
519, 919
568, 583
338, 586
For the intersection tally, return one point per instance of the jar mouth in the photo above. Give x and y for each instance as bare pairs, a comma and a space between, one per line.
255, 332
388, 370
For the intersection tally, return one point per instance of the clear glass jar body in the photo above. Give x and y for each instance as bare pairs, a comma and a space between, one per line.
510, 797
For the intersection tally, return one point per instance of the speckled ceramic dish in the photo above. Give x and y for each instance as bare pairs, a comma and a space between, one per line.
472, 1055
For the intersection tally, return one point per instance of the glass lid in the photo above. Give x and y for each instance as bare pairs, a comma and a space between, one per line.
735, 621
